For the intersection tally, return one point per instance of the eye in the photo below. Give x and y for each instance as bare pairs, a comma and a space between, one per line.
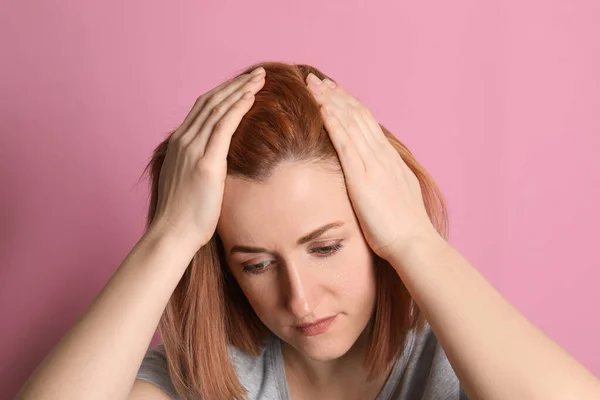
326, 250
256, 269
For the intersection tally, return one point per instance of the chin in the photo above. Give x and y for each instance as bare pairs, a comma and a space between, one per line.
323, 351
326, 346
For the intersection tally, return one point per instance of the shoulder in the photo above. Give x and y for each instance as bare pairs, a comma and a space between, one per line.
154, 369
252, 371
427, 373
259, 375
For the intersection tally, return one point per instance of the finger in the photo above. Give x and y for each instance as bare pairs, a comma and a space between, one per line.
363, 133
351, 162
201, 139
347, 111
215, 97
366, 117
200, 102
375, 130
356, 130
340, 96
385, 152
220, 137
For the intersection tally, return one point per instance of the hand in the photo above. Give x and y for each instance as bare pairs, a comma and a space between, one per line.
384, 192
192, 177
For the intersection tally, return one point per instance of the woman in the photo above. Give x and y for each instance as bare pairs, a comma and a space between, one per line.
302, 257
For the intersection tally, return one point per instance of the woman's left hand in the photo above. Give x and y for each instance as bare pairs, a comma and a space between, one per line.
385, 193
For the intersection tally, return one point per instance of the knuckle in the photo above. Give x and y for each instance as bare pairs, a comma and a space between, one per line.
176, 142
205, 167
365, 112
200, 99
247, 86
238, 106
200, 165
218, 109
219, 126
173, 139
343, 147
353, 124
330, 83
353, 102
213, 100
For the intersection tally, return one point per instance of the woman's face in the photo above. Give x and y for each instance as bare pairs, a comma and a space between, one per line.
297, 251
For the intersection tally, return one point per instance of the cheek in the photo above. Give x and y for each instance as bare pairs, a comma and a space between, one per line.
263, 297
355, 275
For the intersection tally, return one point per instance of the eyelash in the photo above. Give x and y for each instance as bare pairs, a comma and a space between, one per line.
324, 252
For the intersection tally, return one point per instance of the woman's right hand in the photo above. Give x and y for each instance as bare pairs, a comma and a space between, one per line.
192, 177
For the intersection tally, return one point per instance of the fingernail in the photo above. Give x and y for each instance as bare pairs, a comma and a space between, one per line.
314, 79
258, 71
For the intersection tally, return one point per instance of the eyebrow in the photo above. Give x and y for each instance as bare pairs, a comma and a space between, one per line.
304, 239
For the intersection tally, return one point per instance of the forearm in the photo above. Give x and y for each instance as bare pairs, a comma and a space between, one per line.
496, 352
99, 357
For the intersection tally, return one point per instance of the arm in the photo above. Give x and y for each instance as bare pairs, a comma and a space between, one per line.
495, 351
143, 390
100, 356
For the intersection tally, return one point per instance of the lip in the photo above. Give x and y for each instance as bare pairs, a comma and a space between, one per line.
315, 328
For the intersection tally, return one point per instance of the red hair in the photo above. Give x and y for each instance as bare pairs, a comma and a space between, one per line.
208, 311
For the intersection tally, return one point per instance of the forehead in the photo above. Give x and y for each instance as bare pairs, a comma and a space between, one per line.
296, 199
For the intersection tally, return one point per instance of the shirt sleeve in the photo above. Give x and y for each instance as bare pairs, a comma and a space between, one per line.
154, 369
462, 394
428, 374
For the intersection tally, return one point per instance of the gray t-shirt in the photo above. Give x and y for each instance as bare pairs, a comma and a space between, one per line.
421, 373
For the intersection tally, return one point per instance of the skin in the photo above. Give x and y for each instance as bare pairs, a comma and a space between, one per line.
99, 357
288, 283
496, 352
292, 283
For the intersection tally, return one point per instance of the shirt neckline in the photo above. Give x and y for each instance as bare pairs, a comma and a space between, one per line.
387, 391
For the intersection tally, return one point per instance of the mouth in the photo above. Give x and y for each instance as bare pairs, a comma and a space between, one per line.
315, 328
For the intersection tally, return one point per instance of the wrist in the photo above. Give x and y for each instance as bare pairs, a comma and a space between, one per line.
417, 250
162, 232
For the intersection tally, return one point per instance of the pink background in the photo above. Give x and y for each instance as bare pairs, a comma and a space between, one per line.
499, 100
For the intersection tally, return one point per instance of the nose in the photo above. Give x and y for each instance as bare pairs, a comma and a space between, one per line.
301, 291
